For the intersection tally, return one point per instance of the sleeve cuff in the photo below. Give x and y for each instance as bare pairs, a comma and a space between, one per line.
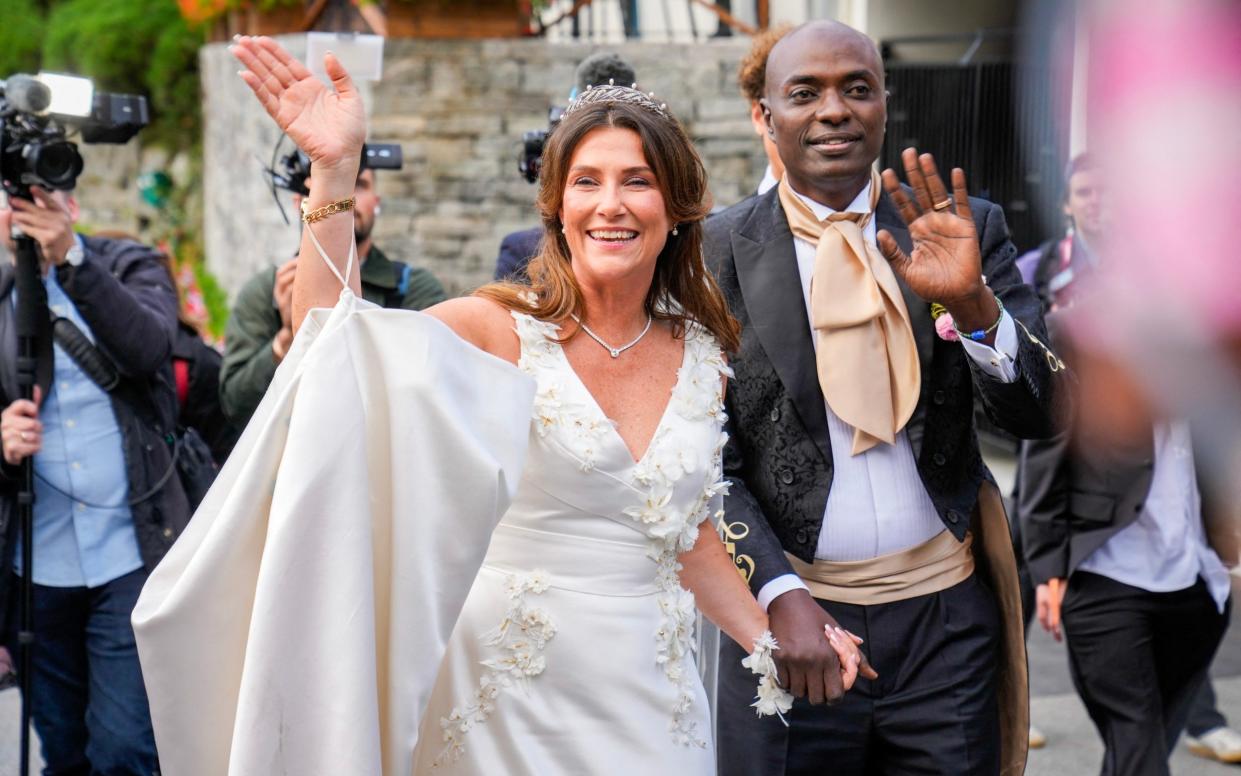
778, 587
998, 362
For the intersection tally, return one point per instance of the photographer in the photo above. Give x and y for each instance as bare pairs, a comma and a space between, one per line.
260, 328
105, 509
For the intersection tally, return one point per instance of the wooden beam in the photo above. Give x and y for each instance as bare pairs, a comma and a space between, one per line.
313, 12
577, 6
726, 17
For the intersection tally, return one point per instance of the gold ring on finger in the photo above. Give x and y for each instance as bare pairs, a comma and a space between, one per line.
942, 206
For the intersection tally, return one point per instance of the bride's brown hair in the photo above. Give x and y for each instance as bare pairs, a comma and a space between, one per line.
682, 290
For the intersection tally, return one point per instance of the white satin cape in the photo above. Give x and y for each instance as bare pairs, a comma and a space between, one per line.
297, 625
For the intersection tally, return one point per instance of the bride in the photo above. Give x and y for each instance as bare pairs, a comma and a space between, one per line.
572, 653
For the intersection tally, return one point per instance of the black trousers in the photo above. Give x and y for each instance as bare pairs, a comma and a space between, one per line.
1204, 714
1137, 659
931, 711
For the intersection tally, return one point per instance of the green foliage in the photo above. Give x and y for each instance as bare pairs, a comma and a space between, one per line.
173, 85
21, 34
135, 46
214, 297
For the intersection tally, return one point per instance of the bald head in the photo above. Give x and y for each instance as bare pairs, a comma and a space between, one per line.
825, 108
826, 34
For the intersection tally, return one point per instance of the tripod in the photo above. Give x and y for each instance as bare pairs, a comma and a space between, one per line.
31, 311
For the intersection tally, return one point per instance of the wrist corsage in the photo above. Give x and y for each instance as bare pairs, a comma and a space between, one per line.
772, 698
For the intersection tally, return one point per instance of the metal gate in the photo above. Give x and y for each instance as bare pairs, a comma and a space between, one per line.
996, 121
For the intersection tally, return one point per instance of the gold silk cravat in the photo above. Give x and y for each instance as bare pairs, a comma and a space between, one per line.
867, 359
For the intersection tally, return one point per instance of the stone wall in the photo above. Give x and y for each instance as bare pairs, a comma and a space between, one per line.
107, 190
458, 109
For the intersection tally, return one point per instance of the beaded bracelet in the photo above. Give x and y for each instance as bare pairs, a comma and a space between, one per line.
979, 335
332, 208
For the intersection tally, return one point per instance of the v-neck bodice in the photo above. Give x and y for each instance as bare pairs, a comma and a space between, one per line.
579, 465
611, 424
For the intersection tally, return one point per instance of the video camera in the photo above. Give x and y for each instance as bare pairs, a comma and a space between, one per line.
292, 170
530, 158
294, 166
599, 68
37, 113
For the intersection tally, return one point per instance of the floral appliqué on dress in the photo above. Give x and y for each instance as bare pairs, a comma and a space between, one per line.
520, 640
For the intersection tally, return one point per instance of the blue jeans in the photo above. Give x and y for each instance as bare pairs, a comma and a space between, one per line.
89, 702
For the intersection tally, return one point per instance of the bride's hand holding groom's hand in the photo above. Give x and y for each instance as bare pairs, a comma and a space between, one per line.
815, 661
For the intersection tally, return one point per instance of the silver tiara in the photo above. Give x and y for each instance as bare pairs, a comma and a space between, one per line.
611, 93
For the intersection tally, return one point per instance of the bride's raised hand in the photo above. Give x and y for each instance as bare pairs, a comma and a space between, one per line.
329, 126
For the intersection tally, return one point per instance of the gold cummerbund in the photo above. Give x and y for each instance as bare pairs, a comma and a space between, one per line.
936, 564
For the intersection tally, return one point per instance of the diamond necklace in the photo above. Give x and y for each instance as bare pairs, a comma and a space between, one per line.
614, 351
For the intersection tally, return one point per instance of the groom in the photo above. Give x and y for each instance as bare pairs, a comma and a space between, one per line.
858, 492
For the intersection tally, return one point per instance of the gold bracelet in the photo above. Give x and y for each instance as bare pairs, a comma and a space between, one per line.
332, 208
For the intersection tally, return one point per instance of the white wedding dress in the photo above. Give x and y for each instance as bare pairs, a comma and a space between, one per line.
573, 653
297, 624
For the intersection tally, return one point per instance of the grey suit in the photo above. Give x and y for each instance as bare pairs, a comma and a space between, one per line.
778, 458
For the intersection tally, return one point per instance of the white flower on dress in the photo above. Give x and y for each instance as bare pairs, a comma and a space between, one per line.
665, 464
538, 349
652, 510
520, 640
537, 625
548, 406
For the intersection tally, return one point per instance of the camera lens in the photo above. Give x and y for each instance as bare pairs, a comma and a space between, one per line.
56, 164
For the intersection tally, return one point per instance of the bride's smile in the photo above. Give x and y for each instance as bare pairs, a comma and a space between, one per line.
614, 215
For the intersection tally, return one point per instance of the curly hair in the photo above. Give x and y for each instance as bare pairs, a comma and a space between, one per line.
752, 73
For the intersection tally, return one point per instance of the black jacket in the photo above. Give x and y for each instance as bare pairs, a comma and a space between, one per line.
127, 298
201, 408
778, 458
516, 251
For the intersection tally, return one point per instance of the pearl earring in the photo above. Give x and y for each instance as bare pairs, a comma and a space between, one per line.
674, 231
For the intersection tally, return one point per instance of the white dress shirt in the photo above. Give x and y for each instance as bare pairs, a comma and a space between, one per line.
768, 182
877, 504
1165, 549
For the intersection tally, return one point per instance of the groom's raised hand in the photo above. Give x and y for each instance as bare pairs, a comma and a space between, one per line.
945, 265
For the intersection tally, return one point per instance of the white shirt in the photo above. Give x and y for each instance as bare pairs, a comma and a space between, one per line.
768, 182
1165, 549
877, 504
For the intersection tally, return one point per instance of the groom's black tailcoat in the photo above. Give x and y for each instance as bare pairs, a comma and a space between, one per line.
778, 458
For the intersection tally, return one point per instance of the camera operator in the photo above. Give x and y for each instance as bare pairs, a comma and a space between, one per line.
260, 328
105, 509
